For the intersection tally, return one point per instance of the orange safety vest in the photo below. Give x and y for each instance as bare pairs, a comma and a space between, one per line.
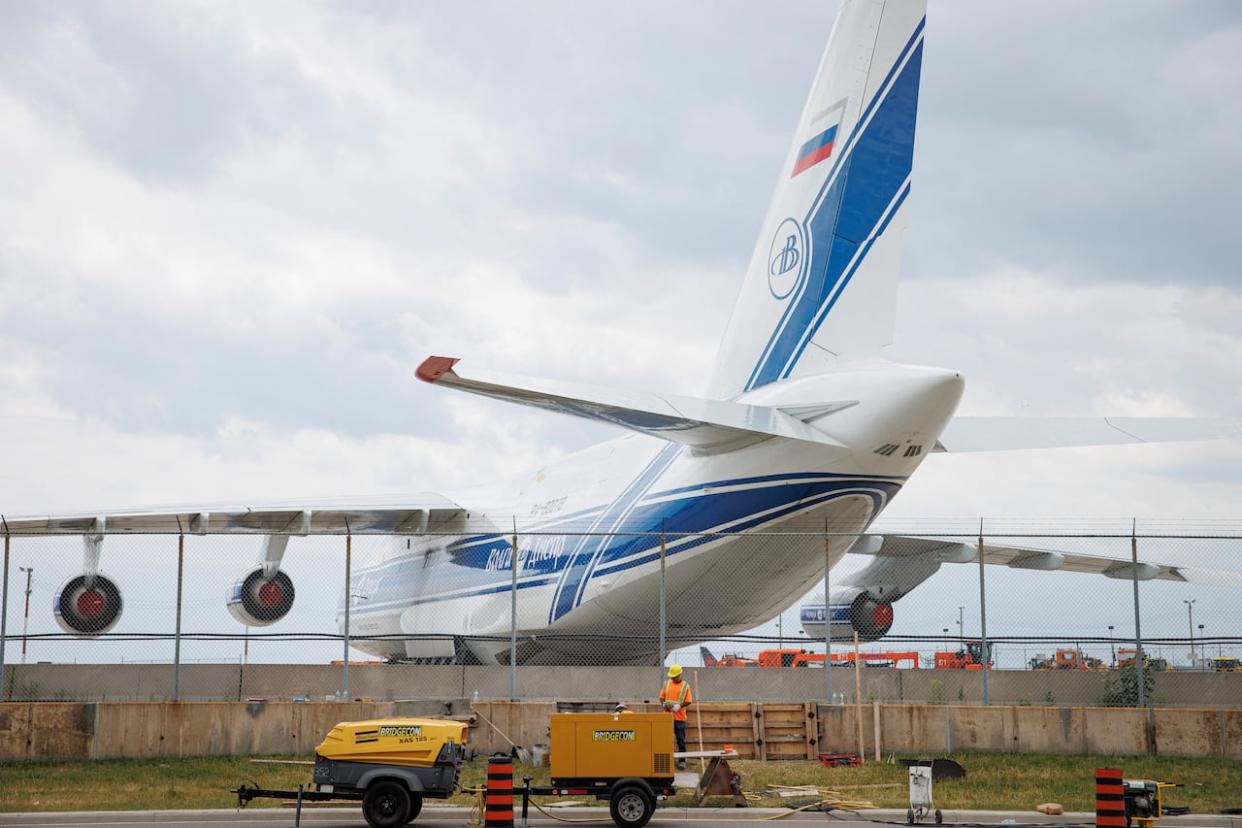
679, 692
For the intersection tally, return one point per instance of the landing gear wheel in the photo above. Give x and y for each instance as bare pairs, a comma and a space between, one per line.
939, 817
416, 806
387, 804
631, 806
909, 816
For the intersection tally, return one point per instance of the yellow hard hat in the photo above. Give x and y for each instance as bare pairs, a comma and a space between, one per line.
674, 671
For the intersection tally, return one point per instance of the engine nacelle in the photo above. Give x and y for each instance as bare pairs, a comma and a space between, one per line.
257, 600
871, 617
866, 615
87, 606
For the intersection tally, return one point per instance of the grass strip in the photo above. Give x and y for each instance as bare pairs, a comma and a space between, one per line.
995, 781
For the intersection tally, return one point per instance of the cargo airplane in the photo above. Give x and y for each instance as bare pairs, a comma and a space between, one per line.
804, 425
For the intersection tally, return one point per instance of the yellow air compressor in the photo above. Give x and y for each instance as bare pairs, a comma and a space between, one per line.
390, 765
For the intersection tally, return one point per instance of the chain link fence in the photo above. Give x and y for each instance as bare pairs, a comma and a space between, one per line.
1150, 618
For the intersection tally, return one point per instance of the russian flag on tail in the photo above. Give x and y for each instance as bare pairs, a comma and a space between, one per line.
815, 150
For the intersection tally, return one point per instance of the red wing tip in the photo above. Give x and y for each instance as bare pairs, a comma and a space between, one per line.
434, 367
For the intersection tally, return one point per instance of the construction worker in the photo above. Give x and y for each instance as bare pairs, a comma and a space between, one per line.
675, 698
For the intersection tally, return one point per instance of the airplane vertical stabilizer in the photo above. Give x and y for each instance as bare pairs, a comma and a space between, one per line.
822, 281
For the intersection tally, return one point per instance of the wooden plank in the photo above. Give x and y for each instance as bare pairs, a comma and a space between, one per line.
810, 730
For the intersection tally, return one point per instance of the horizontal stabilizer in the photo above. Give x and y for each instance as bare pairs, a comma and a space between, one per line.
1009, 433
704, 424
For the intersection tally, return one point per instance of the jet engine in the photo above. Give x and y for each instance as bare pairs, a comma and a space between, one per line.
87, 605
863, 613
259, 599
872, 618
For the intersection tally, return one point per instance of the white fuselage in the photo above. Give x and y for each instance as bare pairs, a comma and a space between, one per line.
589, 531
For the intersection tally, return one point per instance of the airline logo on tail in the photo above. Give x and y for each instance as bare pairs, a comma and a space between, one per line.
785, 258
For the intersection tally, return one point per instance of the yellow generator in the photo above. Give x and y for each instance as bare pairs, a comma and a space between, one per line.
625, 758
390, 765
589, 748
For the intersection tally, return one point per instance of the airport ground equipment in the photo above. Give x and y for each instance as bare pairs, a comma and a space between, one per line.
921, 804
389, 765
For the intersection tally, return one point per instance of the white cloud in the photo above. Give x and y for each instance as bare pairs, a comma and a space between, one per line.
229, 232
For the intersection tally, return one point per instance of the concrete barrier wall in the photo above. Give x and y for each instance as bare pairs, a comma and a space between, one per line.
390, 682
72, 730
1057, 730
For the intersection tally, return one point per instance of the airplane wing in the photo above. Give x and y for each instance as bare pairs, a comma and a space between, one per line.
404, 514
1010, 433
688, 420
958, 550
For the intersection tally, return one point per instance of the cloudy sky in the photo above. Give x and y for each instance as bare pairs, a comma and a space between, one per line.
230, 231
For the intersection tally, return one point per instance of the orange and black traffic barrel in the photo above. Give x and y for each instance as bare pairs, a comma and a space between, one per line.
1110, 799
498, 800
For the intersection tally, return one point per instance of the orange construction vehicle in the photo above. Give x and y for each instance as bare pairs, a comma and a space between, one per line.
805, 658
1068, 659
885, 658
1125, 656
969, 658
789, 658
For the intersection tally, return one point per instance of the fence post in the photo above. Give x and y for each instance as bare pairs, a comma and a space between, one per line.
177, 638
984, 650
349, 600
4, 617
1139, 667
663, 605
513, 618
827, 616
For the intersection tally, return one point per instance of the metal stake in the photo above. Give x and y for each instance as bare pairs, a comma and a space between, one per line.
862, 747
349, 599
1138, 630
513, 619
827, 617
177, 639
984, 652
29, 570
663, 604
4, 616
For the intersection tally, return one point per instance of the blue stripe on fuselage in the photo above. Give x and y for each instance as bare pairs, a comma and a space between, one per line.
723, 512
568, 591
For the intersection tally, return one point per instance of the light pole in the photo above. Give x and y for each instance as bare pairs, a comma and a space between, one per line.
1202, 650
1112, 647
1190, 615
946, 637
961, 636
29, 570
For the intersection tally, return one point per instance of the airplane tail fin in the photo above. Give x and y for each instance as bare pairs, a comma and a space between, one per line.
709, 660
822, 281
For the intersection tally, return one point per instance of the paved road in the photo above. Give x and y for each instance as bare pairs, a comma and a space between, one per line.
340, 818
665, 818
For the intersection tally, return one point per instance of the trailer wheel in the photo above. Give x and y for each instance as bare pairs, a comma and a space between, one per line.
386, 804
630, 806
416, 806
